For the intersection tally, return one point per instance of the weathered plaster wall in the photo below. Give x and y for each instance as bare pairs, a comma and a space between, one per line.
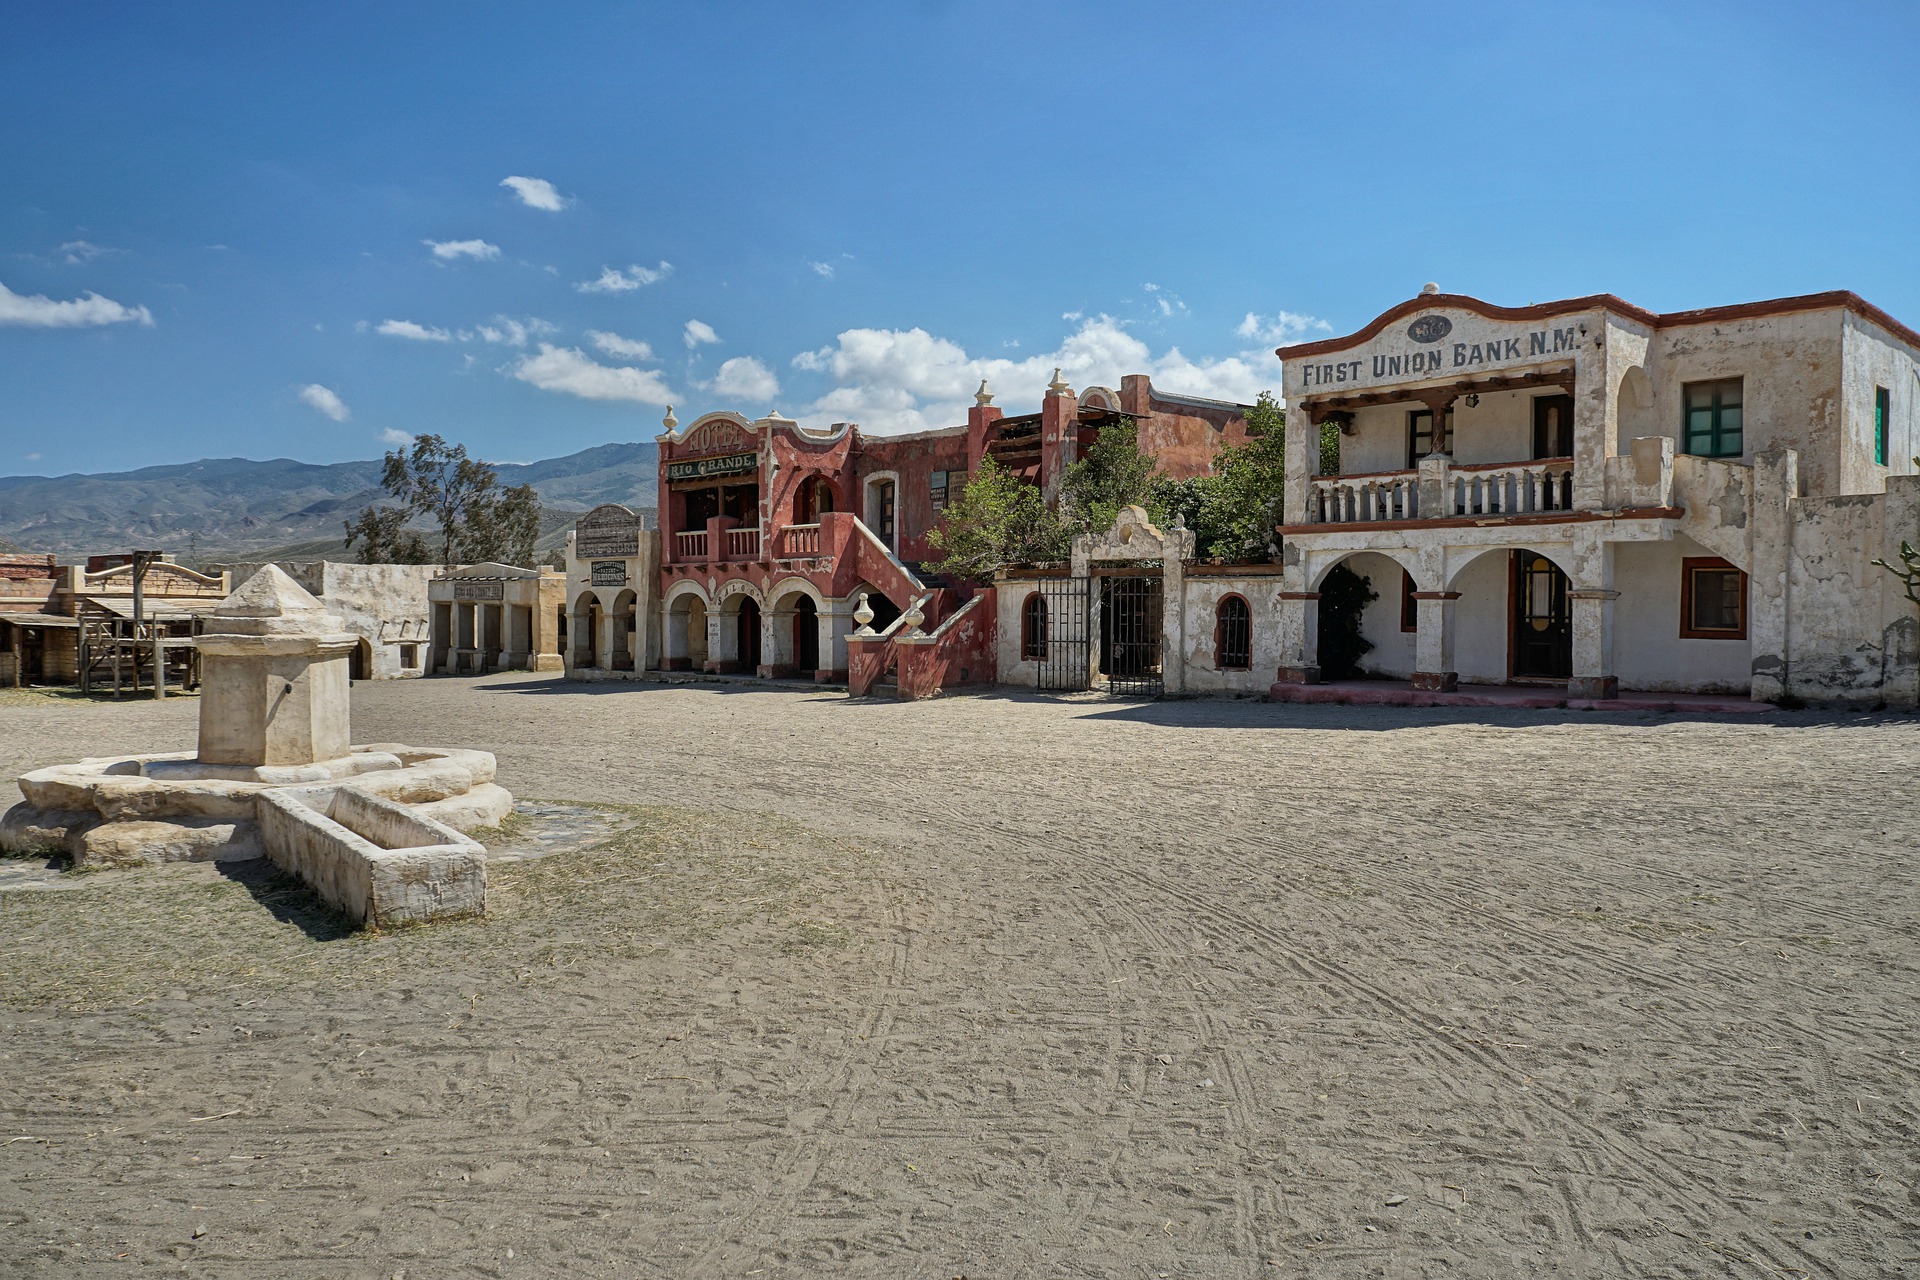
1498, 429
1790, 396
1648, 652
914, 459
1482, 619
383, 604
1875, 360
1205, 589
1011, 668
1851, 635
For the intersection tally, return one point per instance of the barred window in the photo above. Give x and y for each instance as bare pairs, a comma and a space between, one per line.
1233, 635
1033, 629
1713, 600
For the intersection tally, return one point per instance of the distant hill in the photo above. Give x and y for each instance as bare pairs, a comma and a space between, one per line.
229, 508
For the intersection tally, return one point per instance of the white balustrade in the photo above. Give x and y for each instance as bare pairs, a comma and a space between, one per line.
1520, 488
1360, 499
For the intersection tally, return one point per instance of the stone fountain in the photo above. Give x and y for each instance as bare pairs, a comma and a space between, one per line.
274, 752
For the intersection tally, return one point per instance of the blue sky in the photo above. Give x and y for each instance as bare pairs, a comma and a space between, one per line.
286, 230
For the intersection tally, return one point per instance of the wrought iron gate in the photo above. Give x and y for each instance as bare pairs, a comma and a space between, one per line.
1130, 635
1056, 633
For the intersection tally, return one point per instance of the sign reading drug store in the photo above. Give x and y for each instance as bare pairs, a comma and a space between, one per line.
608, 532
1440, 345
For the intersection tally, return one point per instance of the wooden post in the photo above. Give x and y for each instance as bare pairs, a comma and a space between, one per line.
159, 664
19, 655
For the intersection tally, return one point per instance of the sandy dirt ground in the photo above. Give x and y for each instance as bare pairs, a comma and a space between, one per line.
1007, 987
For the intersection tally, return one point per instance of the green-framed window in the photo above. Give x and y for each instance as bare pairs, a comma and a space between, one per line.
1712, 424
1882, 415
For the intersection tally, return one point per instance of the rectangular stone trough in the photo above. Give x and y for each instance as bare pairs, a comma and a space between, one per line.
377, 861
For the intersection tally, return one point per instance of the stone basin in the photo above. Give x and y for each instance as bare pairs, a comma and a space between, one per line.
172, 807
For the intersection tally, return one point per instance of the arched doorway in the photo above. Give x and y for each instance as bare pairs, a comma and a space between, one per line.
806, 636
747, 636
586, 631
625, 631
360, 662
1542, 619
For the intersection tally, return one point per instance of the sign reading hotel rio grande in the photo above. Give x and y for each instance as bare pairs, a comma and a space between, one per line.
608, 532
1435, 345
729, 464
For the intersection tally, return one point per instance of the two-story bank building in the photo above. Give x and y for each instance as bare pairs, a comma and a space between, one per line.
1589, 495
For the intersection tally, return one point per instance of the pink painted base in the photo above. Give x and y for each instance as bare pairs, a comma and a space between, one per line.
1387, 693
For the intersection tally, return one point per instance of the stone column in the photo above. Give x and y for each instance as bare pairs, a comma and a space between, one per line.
1303, 455
1436, 486
1299, 616
1433, 647
1770, 519
1593, 675
1178, 546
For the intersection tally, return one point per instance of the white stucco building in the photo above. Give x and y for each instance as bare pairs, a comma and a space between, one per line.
1589, 494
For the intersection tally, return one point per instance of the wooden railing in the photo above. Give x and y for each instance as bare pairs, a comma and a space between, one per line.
743, 544
690, 545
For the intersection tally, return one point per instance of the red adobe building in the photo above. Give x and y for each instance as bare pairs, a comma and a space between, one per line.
770, 532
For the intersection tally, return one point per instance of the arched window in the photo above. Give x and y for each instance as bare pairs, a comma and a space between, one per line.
1233, 635
1033, 628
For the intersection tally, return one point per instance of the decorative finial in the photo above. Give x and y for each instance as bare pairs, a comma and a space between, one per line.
1059, 385
863, 614
669, 422
984, 396
910, 620
1429, 288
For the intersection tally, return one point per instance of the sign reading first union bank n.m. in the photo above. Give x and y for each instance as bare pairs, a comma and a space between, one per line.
1433, 346
609, 531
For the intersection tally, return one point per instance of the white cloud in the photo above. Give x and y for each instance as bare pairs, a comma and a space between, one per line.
537, 193
623, 348
822, 269
698, 333
615, 281
34, 457
1168, 301
325, 401
81, 252
1281, 328
507, 331
745, 378
408, 329
573, 372
37, 311
892, 380
453, 250
395, 436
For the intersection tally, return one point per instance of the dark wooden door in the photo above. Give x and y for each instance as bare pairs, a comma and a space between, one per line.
1542, 619
749, 636
806, 637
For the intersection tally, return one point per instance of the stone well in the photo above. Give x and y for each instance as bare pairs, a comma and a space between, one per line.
274, 713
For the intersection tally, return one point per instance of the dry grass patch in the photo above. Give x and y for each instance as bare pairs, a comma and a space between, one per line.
667, 878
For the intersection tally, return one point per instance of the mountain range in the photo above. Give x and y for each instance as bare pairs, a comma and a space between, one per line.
230, 508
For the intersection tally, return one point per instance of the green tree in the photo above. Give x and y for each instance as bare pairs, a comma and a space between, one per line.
1233, 511
998, 520
1113, 474
504, 529
385, 539
478, 519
